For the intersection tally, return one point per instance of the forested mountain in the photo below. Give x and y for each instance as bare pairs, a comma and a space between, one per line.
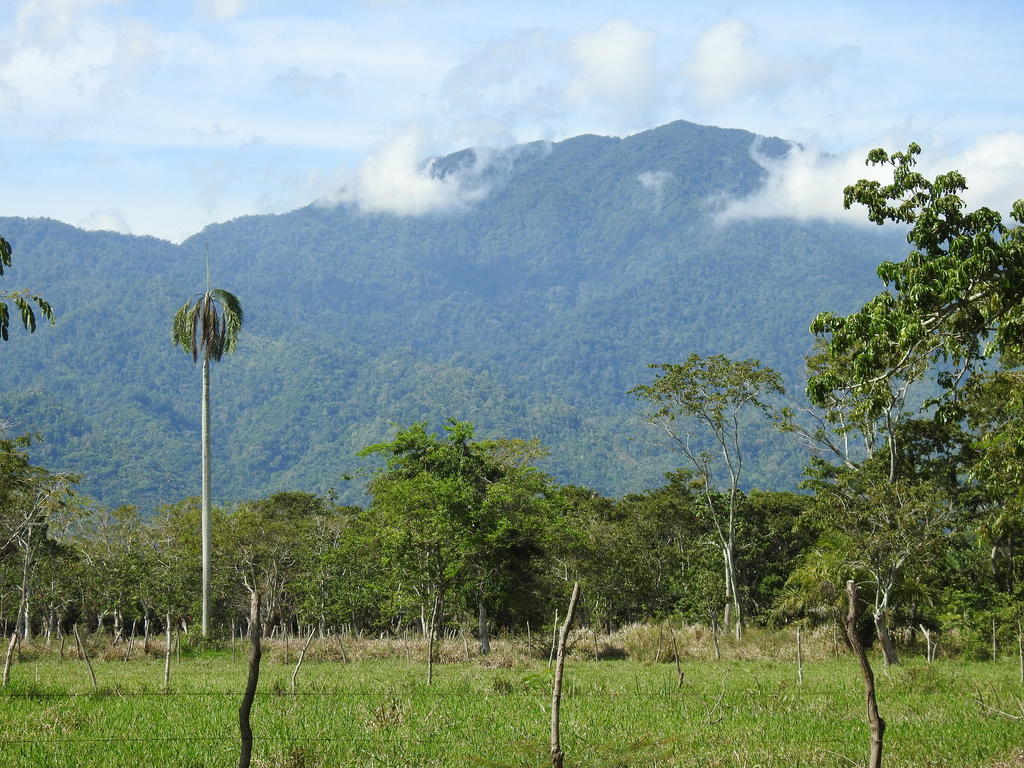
530, 312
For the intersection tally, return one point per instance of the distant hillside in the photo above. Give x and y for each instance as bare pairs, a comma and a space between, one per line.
530, 314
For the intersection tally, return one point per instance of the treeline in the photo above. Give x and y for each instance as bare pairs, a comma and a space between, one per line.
468, 533
467, 524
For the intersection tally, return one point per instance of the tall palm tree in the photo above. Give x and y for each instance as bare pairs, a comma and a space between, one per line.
207, 326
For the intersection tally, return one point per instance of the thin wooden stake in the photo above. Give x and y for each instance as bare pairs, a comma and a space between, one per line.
554, 640
131, 643
81, 649
557, 756
1020, 650
245, 708
875, 722
430, 642
799, 658
8, 657
302, 655
679, 667
167, 656
341, 645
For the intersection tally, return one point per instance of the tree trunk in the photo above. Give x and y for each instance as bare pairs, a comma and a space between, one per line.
885, 638
727, 612
245, 708
24, 625
732, 596
485, 637
51, 624
167, 656
206, 496
875, 722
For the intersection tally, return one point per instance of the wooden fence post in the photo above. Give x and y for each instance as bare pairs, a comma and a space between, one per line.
557, 756
430, 640
876, 723
7, 658
675, 654
81, 649
255, 652
302, 655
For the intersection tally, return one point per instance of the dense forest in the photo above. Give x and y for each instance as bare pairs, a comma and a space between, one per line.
530, 314
911, 438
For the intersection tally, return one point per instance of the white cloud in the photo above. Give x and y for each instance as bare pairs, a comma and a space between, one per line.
221, 9
300, 85
395, 179
803, 184
505, 89
807, 184
614, 65
106, 219
51, 24
994, 169
655, 183
725, 65
64, 63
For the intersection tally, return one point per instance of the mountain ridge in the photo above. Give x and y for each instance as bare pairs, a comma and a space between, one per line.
531, 313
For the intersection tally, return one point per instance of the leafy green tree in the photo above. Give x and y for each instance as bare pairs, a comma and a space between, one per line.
706, 401
886, 530
951, 304
111, 543
456, 515
207, 327
992, 404
33, 503
956, 299
22, 300
172, 549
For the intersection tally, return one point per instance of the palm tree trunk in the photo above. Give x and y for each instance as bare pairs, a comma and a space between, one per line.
206, 496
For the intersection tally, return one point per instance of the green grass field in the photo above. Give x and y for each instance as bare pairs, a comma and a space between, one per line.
380, 712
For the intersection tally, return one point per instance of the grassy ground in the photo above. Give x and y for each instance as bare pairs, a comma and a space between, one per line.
738, 711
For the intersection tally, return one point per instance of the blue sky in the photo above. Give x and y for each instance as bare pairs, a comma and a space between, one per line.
159, 117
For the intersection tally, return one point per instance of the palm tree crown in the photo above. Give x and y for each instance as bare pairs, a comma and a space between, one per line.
208, 324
